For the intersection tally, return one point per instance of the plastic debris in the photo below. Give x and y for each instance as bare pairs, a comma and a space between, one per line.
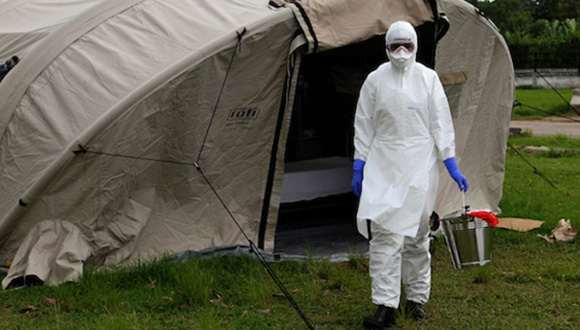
564, 232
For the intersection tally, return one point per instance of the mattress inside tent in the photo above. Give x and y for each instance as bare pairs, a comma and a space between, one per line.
315, 178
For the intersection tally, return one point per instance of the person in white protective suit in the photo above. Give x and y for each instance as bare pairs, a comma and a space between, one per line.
403, 125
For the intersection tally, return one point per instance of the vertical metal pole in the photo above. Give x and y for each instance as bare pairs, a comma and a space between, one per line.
578, 64
534, 76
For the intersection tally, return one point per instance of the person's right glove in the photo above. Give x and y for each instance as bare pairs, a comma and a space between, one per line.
357, 177
453, 170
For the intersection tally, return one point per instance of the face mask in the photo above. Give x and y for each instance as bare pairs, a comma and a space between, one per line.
400, 58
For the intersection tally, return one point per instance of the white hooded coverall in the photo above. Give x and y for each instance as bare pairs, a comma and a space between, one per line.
402, 127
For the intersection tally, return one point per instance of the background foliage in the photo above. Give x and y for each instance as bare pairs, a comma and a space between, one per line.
539, 33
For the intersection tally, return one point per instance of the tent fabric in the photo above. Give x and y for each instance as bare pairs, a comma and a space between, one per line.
50, 50
53, 252
158, 126
131, 95
332, 24
27, 22
481, 106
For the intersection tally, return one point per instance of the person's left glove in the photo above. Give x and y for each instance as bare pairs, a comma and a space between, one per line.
453, 170
357, 177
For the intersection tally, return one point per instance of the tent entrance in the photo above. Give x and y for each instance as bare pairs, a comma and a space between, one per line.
316, 192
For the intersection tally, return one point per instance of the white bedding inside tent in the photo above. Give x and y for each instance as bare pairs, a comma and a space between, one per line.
314, 178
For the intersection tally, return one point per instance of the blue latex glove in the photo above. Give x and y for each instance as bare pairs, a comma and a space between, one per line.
357, 177
453, 170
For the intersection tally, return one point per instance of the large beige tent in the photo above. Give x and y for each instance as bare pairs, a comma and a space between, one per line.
141, 128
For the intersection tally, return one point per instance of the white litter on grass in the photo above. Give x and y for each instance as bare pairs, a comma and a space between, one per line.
564, 232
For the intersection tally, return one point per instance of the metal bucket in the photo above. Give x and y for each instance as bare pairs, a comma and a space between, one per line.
468, 240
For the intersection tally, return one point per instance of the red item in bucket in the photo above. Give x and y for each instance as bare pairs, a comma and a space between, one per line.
485, 215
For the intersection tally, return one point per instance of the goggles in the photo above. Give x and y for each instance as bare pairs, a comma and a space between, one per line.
407, 45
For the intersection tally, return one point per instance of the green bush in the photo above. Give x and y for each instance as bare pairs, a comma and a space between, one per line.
538, 34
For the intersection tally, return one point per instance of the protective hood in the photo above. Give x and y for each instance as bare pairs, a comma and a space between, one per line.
401, 32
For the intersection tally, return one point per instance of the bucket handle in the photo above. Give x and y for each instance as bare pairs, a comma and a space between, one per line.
488, 217
464, 206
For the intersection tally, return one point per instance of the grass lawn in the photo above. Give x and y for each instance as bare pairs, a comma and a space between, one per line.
544, 99
531, 284
526, 194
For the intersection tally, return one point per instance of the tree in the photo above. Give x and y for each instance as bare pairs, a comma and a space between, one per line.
556, 9
509, 15
539, 33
